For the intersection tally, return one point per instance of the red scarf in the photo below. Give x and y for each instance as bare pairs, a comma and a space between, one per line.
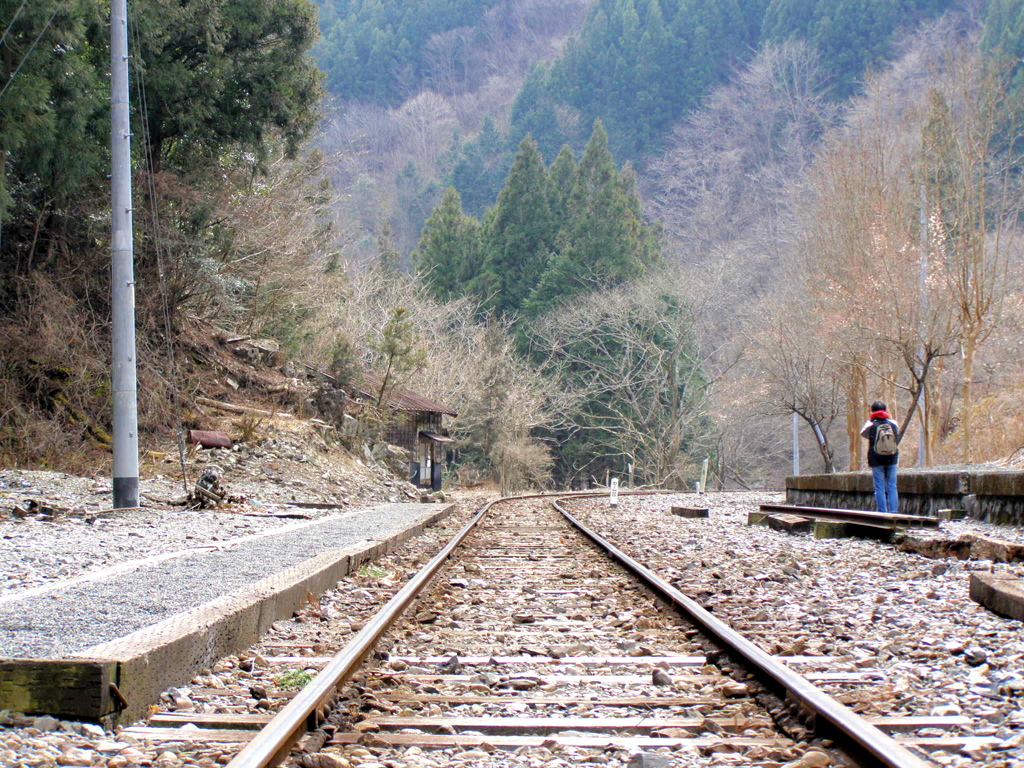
880, 415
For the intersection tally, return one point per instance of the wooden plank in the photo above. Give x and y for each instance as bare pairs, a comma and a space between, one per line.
445, 741
856, 515
59, 687
906, 723
214, 720
481, 661
863, 677
552, 724
1002, 594
201, 735
790, 523
561, 701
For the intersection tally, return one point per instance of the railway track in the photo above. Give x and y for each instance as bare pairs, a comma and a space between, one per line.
525, 640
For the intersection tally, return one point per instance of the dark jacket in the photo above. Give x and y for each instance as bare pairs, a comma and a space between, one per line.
868, 431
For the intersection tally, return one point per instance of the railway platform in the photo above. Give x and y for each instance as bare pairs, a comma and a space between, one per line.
989, 494
91, 646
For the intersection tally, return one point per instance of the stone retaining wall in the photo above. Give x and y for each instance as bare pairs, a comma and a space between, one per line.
995, 496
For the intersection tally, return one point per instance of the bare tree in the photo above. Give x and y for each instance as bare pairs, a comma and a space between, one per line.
639, 371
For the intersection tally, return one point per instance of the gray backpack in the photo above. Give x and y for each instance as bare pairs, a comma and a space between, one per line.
885, 439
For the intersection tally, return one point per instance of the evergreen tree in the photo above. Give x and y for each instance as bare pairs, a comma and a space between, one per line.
225, 72
1004, 35
562, 172
448, 256
533, 113
519, 234
604, 242
479, 168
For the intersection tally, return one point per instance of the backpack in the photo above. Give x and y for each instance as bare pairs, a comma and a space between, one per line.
885, 439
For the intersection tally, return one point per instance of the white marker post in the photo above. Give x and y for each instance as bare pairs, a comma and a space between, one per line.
704, 476
614, 494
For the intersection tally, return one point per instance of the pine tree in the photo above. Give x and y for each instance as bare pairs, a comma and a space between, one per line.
604, 242
448, 256
561, 173
519, 234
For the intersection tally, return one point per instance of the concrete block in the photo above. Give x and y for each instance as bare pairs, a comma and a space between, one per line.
952, 514
1000, 594
757, 518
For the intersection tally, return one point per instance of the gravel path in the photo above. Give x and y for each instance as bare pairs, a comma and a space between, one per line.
73, 618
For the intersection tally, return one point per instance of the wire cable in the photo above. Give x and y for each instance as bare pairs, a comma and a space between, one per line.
172, 376
29, 51
17, 13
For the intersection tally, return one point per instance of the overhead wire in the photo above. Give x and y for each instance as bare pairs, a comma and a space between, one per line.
17, 13
143, 105
31, 48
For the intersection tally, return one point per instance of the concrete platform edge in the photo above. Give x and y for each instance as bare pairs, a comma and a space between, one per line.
172, 651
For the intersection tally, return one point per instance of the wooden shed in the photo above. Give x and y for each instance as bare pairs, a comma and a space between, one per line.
416, 426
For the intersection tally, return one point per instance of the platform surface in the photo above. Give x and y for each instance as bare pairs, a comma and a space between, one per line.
64, 619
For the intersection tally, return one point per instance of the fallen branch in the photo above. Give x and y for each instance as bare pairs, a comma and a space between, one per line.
243, 409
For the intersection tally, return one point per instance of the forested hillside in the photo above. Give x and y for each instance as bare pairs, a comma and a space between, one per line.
618, 237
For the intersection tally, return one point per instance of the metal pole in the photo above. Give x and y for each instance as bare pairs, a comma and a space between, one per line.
922, 436
126, 437
796, 444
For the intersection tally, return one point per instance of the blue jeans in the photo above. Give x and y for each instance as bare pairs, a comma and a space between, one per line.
885, 488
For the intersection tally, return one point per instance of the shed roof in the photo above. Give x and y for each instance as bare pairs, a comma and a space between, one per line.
368, 384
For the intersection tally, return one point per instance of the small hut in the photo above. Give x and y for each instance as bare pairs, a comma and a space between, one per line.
416, 426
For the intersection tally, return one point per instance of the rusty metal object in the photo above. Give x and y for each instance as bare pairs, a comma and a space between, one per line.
210, 438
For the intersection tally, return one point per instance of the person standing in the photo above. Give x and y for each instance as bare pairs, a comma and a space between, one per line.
882, 434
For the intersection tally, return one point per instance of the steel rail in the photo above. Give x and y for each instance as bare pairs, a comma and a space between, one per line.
272, 744
861, 739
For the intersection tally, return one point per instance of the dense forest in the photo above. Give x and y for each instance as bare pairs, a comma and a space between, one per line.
619, 236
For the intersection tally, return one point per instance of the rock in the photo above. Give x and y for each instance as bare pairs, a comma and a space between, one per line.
325, 760
733, 689
661, 677
426, 617
46, 723
398, 665
648, 760
975, 656
813, 758
946, 710
75, 756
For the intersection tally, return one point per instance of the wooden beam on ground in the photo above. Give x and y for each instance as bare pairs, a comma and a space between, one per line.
195, 735
864, 677
695, 513
790, 523
63, 688
215, 720
468, 741
854, 515
552, 724
1000, 593
243, 409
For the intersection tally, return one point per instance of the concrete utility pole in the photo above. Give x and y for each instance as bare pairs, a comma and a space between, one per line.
796, 444
126, 417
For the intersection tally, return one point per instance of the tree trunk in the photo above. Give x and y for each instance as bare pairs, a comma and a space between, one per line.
967, 393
